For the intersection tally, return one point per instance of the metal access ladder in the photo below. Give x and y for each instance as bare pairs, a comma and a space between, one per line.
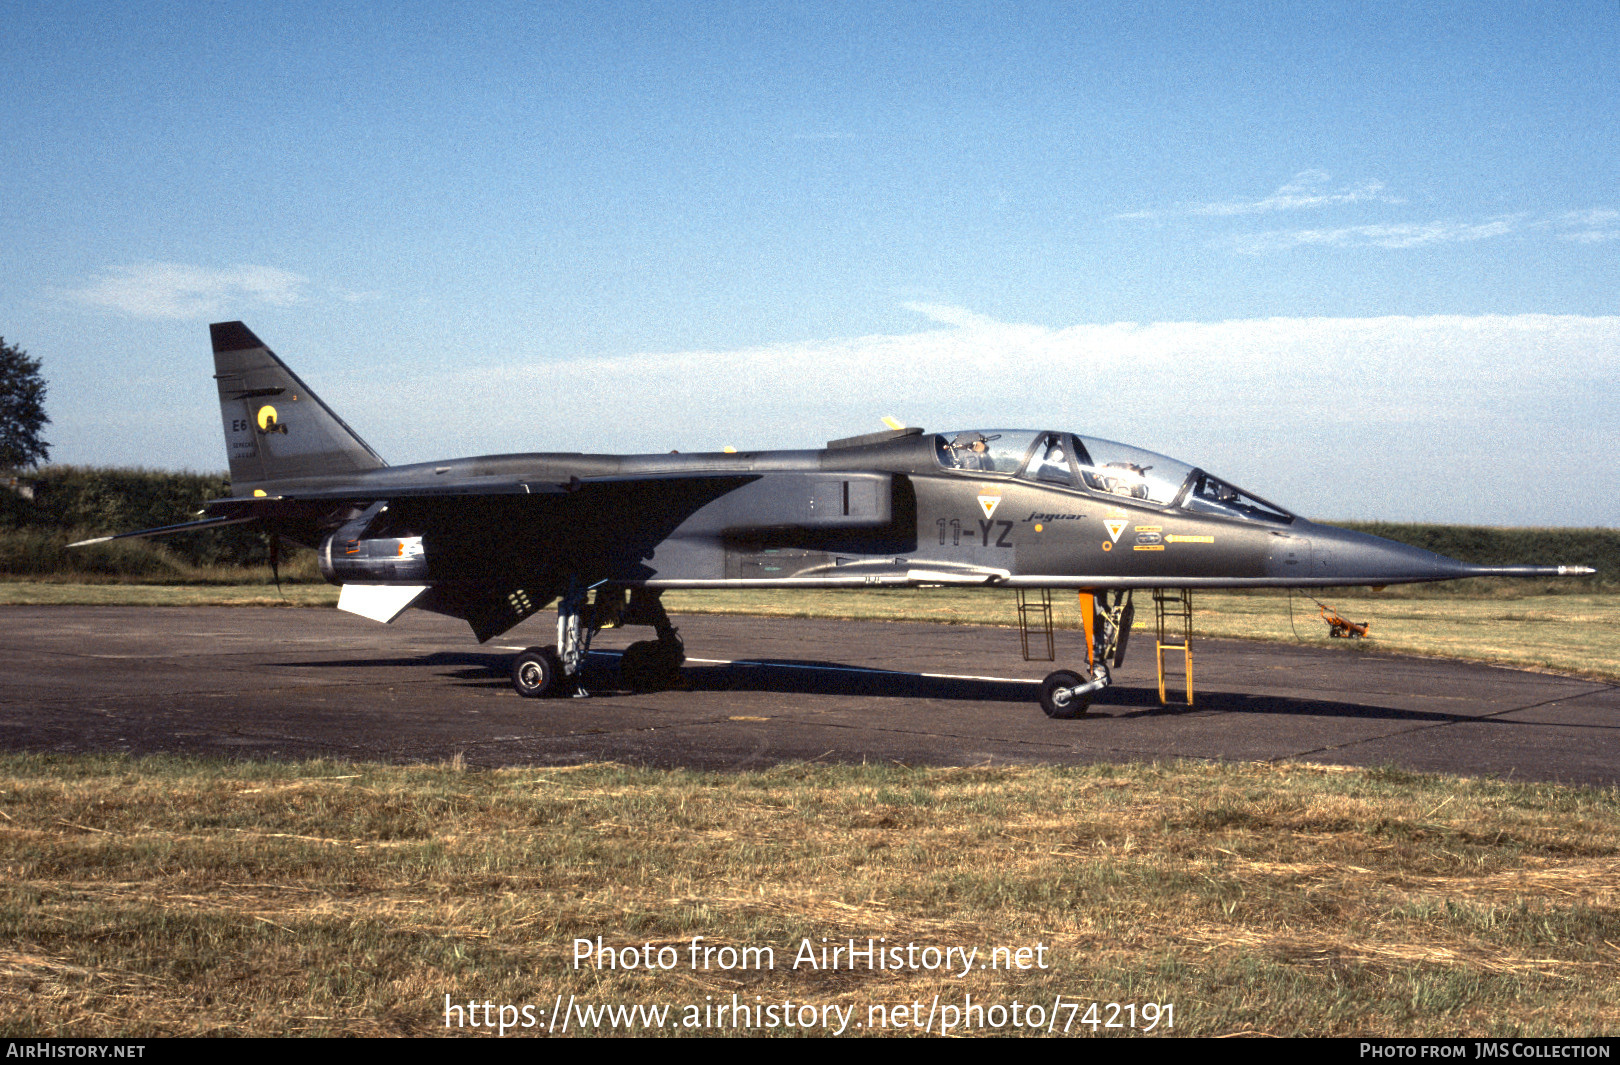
1173, 609
1035, 618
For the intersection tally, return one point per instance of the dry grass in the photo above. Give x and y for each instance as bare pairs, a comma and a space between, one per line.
1573, 633
174, 897
75, 593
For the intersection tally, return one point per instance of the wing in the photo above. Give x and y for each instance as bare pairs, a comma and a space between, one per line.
497, 549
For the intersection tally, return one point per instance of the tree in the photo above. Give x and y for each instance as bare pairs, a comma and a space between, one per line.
22, 409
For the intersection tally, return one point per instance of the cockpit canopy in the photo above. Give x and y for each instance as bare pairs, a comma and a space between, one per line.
1101, 466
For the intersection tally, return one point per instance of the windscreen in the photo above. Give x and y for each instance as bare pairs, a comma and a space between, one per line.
1122, 470
985, 450
1105, 466
1211, 495
1049, 463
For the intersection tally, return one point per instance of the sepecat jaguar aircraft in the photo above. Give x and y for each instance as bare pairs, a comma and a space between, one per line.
494, 539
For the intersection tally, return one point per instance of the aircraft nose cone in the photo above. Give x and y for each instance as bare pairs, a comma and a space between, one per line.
1347, 557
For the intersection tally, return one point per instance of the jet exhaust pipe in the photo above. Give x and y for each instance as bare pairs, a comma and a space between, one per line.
351, 555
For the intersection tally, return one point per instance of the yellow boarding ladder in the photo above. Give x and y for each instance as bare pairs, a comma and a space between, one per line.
1170, 605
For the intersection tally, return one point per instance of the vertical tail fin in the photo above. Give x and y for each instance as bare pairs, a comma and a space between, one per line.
276, 429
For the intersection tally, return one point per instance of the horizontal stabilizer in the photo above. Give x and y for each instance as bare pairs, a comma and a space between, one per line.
165, 530
400, 483
360, 491
379, 602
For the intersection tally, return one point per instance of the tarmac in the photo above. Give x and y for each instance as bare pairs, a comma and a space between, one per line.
302, 683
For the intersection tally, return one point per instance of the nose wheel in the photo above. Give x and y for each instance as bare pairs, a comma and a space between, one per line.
1066, 694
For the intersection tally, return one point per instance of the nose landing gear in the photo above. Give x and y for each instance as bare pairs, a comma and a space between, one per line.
1066, 693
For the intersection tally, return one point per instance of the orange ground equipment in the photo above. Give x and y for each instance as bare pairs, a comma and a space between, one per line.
1338, 626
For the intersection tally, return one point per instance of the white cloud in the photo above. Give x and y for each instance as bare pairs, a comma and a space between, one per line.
1305, 190
1308, 190
1600, 216
1388, 235
1589, 227
946, 314
1494, 419
1302, 192
181, 291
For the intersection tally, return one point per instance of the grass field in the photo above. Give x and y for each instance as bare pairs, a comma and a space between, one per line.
1576, 633
75, 593
170, 897
173, 897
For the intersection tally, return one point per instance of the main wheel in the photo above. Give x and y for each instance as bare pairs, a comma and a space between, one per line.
1055, 697
535, 672
648, 665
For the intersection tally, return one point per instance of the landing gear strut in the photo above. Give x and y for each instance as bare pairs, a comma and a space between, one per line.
1067, 694
646, 666
543, 672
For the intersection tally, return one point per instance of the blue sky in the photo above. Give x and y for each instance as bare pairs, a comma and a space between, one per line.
1360, 258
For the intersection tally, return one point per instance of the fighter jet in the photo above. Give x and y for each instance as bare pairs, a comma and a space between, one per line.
494, 539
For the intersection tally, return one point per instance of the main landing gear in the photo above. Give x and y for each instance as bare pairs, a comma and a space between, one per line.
647, 665
1067, 693
535, 672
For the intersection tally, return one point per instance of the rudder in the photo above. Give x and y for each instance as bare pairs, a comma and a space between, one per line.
276, 429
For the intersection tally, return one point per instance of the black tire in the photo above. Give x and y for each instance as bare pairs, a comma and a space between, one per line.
535, 672
1056, 700
648, 665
